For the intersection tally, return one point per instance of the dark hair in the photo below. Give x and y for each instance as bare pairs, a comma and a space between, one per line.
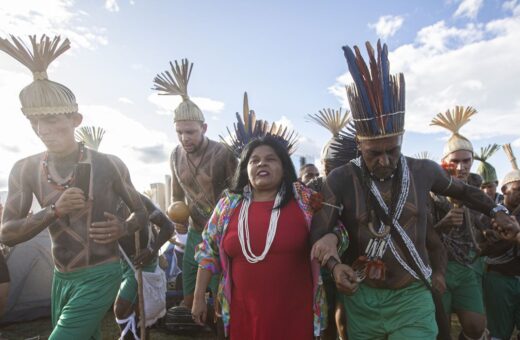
305, 166
240, 179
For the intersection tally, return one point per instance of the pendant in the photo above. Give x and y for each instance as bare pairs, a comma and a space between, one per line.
371, 265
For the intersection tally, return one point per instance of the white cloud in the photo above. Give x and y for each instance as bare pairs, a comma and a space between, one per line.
52, 17
469, 8
476, 65
125, 100
111, 5
166, 104
387, 25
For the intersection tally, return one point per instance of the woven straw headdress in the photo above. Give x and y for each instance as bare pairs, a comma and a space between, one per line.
177, 85
486, 170
376, 98
42, 96
453, 120
514, 175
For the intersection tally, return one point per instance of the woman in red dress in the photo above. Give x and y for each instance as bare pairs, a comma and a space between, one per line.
258, 239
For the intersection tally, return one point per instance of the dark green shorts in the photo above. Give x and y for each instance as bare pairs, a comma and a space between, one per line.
80, 300
463, 289
407, 313
502, 299
190, 266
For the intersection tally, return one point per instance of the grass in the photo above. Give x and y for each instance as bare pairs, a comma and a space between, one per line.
109, 329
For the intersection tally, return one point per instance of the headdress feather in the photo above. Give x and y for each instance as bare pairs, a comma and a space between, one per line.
330, 119
510, 155
90, 135
454, 119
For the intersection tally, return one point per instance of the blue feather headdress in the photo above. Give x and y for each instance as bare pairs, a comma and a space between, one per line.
249, 128
376, 98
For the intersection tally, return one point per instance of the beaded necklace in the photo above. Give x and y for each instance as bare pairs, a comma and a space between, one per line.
67, 183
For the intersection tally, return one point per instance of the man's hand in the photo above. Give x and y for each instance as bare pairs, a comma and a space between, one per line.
325, 248
181, 228
108, 231
145, 256
453, 218
438, 283
71, 200
506, 225
199, 310
346, 279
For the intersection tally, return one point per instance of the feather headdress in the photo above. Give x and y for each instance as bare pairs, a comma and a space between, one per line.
333, 121
343, 149
91, 136
453, 120
485, 169
248, 128
175, 83
424, 155
376, 98
514, 175
42, 96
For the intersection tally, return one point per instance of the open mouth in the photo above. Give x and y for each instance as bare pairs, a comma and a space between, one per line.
262, 173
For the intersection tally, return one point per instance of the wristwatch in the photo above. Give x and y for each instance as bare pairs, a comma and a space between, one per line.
496, 209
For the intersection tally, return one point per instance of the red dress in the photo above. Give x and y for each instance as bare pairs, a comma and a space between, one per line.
271, 299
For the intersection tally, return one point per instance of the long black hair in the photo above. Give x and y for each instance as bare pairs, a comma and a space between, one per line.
241, 179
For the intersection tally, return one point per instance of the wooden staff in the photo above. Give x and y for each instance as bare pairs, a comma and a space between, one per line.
142, 319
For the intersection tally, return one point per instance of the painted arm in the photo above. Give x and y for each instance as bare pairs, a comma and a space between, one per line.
472, 197
177, 192
124, 188
157, 217
18, 224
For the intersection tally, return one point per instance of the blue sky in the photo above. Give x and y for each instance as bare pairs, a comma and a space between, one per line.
286, 54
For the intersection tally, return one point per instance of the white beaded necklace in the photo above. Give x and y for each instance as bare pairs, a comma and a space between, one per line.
243, 228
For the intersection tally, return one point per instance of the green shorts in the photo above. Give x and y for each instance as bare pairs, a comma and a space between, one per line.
80, 300
190, 266
502, 299
375, 313
128, 288
463, 289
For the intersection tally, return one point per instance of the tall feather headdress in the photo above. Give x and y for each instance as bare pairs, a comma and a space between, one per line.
42, 96
175, 83
376, 98
453, 120
485, 169
514, 175
248, 128
424, 155
332, 120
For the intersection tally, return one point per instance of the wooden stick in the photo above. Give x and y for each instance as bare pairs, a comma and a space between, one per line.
142, 317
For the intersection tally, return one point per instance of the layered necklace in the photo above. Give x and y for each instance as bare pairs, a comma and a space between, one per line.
243, 228
67, 183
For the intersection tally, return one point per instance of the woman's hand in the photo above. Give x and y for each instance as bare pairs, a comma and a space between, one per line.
199, 310
325, 248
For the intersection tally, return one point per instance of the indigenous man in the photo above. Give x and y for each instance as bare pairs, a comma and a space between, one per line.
201, 168
488, 173
82, 226
150, 243
308, 172
501, 282
460, 231
384, 197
